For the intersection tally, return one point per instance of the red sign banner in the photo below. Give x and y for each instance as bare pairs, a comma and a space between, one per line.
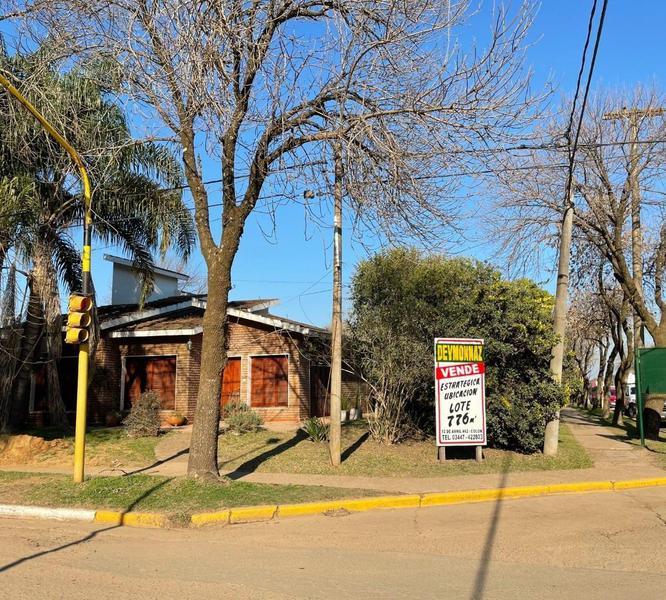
462, 370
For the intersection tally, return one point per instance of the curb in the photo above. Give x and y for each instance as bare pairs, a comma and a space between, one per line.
110, 517
40, 512
250, 514
270, 513
131, 519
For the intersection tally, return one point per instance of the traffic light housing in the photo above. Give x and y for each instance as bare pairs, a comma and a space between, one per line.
79, 318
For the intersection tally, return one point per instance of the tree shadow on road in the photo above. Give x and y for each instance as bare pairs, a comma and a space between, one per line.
482, 574
88, 537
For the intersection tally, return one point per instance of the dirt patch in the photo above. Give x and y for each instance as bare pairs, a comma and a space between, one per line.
23, 449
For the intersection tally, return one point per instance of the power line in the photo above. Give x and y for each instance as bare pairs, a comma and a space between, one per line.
600, 28
520, 147
427, 177
498, 149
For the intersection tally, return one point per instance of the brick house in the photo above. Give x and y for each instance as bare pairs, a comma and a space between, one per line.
277, 366
272, 365
158, 347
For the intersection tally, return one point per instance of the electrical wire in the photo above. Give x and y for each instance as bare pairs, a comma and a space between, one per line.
574, 148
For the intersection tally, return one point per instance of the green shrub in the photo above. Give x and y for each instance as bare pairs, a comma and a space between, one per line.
315, 429
517, 420
144, 416
240, 418
409, 298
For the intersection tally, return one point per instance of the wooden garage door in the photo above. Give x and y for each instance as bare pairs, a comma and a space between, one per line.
270, 381
157, 373
231, 382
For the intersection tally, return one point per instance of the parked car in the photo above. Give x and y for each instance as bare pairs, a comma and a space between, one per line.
631, 409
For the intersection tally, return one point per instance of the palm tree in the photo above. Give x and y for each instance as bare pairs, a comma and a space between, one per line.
42, 205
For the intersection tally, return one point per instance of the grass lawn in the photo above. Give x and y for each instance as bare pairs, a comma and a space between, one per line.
175, 496
104, 446
268, 451
629, 430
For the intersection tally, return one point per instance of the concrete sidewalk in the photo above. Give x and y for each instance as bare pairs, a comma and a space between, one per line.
614, 459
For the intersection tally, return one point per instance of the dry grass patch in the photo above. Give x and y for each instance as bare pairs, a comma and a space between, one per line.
273, 452
105, 446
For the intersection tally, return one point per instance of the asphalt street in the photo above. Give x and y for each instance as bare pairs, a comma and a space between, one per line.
597, 545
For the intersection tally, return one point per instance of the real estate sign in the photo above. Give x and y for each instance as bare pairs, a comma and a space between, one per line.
460, 392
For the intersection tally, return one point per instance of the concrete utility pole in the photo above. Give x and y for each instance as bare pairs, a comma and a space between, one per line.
633, 115
551, 436
336, 325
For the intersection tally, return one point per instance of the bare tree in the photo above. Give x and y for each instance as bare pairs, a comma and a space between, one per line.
581, 347
590, 331
528, 211
261, 87
605, 174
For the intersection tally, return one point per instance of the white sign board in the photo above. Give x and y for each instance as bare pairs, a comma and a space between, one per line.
460, 392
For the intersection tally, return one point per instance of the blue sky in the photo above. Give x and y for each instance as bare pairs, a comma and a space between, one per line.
631, 51
295, 267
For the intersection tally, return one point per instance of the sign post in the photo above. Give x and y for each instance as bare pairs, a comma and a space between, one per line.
460, 394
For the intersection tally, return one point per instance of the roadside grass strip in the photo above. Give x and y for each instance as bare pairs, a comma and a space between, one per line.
270, 512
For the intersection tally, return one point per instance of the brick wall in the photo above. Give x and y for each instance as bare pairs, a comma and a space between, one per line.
248, 341
104, 392
245, 341
107, 388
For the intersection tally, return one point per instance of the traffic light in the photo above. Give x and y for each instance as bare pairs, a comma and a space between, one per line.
78, 319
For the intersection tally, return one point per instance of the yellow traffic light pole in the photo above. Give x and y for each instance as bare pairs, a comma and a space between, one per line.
84, 349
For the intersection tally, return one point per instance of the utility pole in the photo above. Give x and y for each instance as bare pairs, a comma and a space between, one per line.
633, 115
335, 431
84, 350
551, 435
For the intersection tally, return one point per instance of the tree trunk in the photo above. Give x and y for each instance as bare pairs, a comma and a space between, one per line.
659, 335
621, 378
626, 351
203, 446
601, 387
586, 392
608, 377
46, 282
9, 347
654, 405
32, 335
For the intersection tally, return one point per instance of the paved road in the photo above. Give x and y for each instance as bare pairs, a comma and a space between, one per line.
588, 546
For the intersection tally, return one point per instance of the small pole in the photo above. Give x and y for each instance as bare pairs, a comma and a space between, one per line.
479, 454
639, 394
336, 321
441, 453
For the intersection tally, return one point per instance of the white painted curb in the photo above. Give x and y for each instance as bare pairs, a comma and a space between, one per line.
42, 512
